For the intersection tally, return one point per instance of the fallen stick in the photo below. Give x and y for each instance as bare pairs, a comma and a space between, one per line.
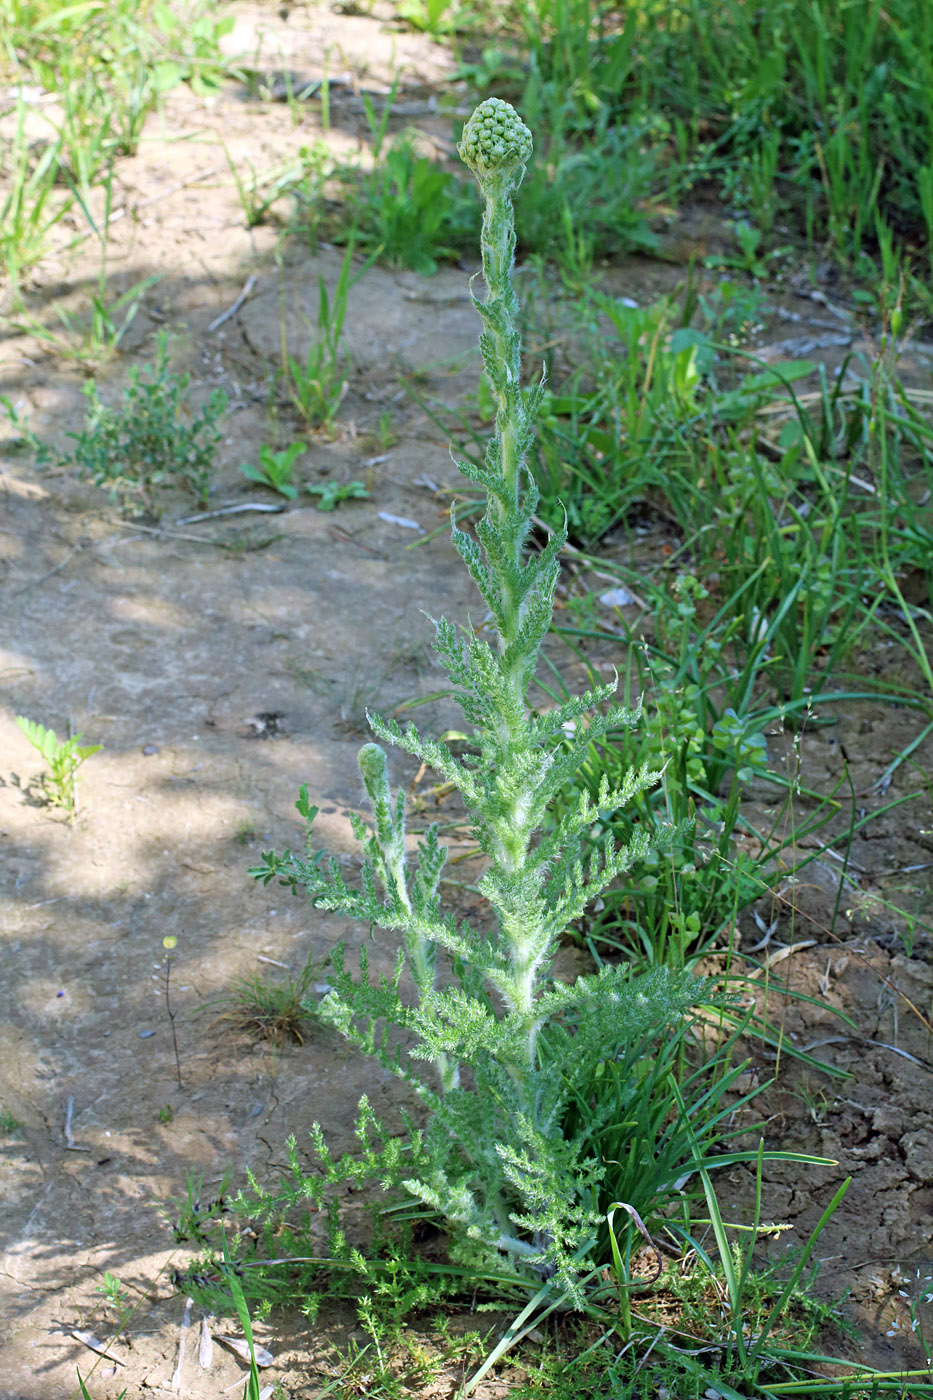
232, 310
266, 507
87, 1339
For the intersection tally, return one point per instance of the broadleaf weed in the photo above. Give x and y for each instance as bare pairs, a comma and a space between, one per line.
63, 758
116, 1297
330, 493
275, 469
152, 440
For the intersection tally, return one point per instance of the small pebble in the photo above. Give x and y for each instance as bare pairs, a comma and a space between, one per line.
150, 749
145, 1035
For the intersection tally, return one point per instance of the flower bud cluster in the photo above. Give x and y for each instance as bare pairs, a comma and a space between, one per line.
495, 140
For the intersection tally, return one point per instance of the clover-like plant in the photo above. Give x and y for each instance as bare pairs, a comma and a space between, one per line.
510, 1047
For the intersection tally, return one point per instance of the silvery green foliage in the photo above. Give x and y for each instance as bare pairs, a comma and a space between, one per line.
509, 1047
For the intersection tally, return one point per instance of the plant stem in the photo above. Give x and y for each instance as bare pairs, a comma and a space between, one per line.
171, 1016
519, 582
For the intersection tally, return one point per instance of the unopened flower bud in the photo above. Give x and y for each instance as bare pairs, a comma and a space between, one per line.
372, 764
495, 140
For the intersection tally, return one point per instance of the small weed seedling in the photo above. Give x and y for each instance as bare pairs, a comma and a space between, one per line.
63, 757
152, 440
24, 439
331, 493
386, 431
275, 469
751, 257
9, 1123
117, 1298
316, 385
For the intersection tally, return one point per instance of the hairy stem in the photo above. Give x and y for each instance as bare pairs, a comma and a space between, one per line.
496, 145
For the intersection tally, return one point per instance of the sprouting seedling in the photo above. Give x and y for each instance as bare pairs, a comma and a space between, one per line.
331, 493
116, 1295
509, 1047
275, 469
316, 385
63, 758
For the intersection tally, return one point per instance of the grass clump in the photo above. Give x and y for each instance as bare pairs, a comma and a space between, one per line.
10, 1126
108, 66
589, 199
315, 384
263, 1007
814, 114
806, 121
407, 208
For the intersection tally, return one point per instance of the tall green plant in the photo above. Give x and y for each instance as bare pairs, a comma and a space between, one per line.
511, 1048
